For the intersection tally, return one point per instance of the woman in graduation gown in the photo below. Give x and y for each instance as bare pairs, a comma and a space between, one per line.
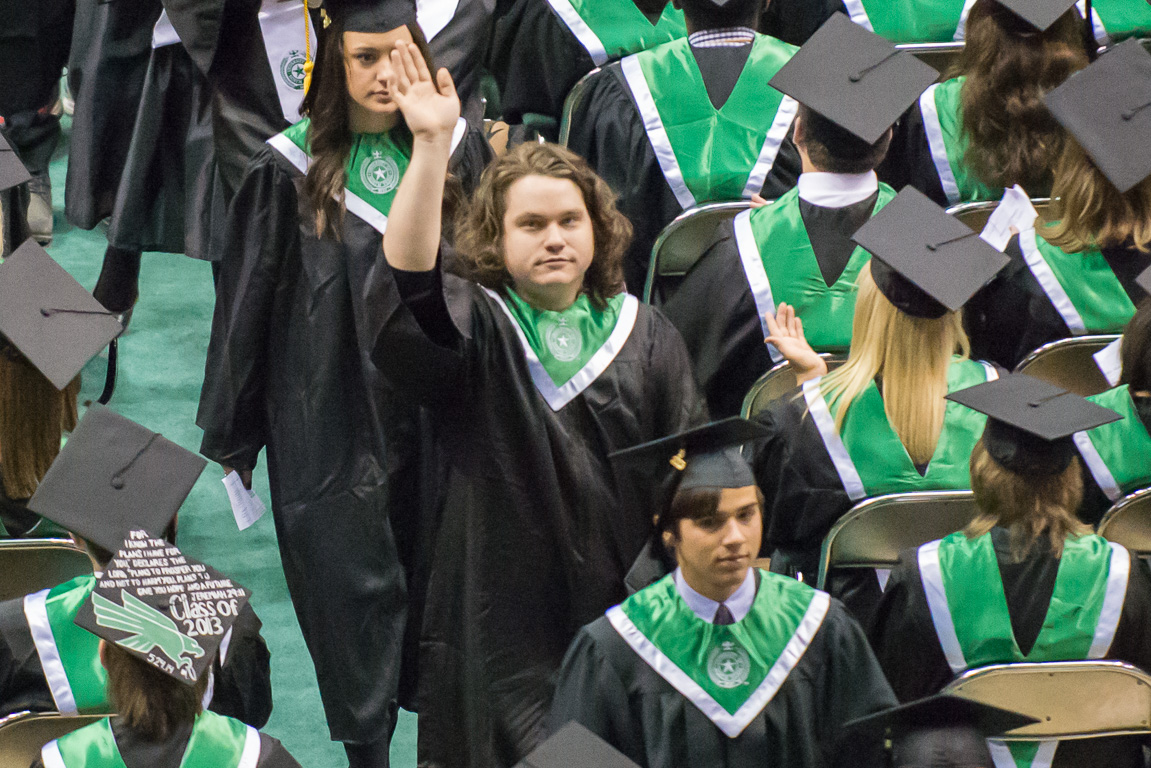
288, 364
532, 375
1026, 580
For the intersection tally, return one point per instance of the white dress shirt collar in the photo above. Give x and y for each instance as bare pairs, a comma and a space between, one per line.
704, 607
837, 190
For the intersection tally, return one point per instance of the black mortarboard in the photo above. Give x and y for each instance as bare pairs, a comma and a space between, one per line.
707, 456
114, 476
371, 15
926, 261
1107, 108
1030, 421
574, 746
1040, 14
164, 608
49, 317
854, 78
12, 171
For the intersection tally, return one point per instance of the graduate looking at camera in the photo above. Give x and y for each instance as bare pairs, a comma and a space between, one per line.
532, 371
719, 663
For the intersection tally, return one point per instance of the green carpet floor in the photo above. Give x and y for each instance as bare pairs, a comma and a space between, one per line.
160, 372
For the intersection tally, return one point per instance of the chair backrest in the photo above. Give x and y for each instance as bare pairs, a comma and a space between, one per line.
975, 215
875, 531
776, 383
1070, 699
681, 243
1128, 522
29, 565
24, 733
574, 97
1068, 363
939, 55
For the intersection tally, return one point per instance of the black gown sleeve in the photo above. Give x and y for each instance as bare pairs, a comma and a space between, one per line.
273, 754
22, 683
243, 687
794, 21
909, 160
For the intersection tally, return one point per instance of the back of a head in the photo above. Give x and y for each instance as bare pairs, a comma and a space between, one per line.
153, 704
955, 746
833, 149
704, 14
33, 415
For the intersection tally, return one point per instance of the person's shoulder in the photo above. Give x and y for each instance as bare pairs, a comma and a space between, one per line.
273, 754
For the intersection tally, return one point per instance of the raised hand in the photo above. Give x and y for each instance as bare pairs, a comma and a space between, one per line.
430, 108
786, 334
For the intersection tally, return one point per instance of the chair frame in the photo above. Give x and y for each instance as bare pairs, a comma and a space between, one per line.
571, 101
834, 360
687, 218
1122, 509
7, 545
22, 720
963, 211
933, 54
1063, 345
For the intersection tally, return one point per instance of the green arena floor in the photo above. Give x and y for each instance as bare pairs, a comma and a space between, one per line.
160, 372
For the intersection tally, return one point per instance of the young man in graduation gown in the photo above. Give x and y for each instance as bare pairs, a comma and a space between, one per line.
160, 620
47, 663
689, 122
1025, 581
798, 250
719, 663
531, 375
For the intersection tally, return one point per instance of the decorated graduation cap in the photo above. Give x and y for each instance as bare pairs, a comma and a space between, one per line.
1107, 108
574, 746
371, 15
1031, 421
49, 317
1040, 14
854, 78
114, 476
926, 261
12, 171
163, 607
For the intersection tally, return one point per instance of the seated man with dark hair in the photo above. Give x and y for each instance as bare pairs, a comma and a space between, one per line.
721, 664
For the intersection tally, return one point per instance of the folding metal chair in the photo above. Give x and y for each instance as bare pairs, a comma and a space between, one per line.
574, 97
1128, 522
1069, 363
942, 56
975, 215
24, 733
776, 383
29, 565
681, 244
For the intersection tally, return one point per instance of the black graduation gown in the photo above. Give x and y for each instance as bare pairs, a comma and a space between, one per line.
242, 687
13, 219
903, 635
288, 369
140, 753
537, 531
1095, 502
793, 21
461, 47
608, 131
608, 688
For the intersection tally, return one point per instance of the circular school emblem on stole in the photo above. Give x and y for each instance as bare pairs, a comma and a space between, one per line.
292, 70
379, 174
563, 342
728, 665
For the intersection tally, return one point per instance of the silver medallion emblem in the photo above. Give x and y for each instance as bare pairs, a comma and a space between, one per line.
728, 665
292, 70
379, 174
564, 342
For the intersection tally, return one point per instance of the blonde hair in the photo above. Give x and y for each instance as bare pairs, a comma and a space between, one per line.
33, 417
1028, 506
912, 355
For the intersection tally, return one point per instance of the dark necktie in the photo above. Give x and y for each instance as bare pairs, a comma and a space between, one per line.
723, 615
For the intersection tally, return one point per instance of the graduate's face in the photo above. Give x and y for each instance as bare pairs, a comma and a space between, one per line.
548, 240
367, 64
714, 552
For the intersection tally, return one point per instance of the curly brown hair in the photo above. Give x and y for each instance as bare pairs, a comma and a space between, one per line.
1009, 67
480, 228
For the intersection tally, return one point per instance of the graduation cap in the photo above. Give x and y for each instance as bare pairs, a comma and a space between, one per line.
1107, 108
163, 607
1040, 14
12, 171
371, 15
854, 78
926, 261
574, 746
1144, 280
1031, 421
48, 317
114, 476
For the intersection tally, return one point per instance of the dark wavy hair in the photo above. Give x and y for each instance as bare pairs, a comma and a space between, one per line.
836, 150
479, 230
1010, 66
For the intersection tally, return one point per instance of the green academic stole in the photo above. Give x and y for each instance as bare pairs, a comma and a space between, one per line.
216, 742
609, 29
909, 21
778, 260
566, 351
868, 455
964, 591
1081, 286
1116, 20
375, 166
69, 655
707, 153
942, 116
1118, 454
730, 672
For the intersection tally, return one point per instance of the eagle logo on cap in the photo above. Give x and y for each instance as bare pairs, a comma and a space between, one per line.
149, 627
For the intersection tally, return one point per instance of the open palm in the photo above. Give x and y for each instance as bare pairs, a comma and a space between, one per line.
430, 108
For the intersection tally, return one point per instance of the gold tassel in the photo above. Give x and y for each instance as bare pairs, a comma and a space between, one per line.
677, 461
307, 51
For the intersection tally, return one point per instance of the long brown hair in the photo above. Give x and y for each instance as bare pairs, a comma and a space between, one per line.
1013, 139
153, 704
329, 131
33, 417
480, 229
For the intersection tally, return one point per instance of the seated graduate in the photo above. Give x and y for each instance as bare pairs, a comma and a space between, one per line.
49, 328
689, 122
900, 21
987, 128
541, 48
533, 370
99, 488
1025, 581
1077, 274
1117, 457
160, 620
14, 178
720, 663
879, 424
798, 250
